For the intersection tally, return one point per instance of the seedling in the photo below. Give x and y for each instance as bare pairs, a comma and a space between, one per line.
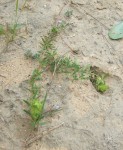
100, 84
13, 29
35, 105
98, 80
36, 110
10, 30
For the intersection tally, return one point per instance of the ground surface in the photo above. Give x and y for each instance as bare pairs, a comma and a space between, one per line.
92, 121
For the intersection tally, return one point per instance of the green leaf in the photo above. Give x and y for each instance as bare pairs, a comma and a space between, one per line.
43, 102
100, 80
35, 109
17, 7
102, 87
116, 32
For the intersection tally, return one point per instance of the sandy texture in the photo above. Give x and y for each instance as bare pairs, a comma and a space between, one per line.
92, 121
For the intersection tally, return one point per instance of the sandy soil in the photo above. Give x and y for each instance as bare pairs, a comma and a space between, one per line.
92, 121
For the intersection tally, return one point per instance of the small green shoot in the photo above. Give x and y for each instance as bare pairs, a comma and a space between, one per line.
35, 106
100, 84
13, 29
98, 80
10, 31
36, 110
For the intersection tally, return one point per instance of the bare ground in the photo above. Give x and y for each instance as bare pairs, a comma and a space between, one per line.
92, 121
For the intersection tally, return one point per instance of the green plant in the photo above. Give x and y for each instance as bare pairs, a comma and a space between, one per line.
98, 80
36, 106
100, 84
13, 29
49, 59
10, 30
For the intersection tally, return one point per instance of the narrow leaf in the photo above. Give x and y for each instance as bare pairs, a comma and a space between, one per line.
17, 7
27, 112
26, 102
